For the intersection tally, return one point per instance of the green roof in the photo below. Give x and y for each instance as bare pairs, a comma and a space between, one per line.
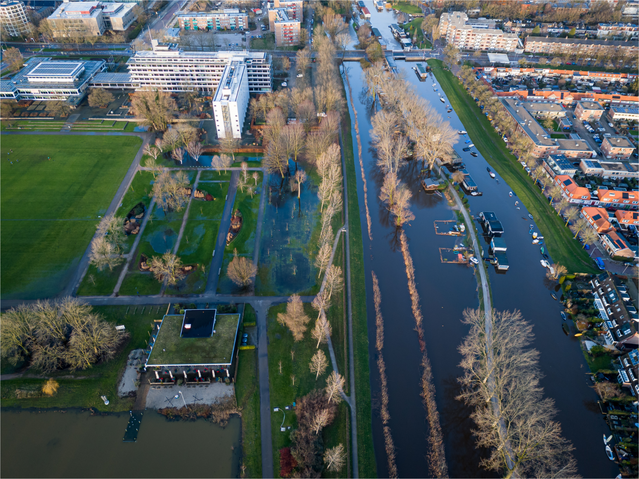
172, 350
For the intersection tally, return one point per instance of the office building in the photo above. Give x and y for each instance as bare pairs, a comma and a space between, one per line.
168, 68
227, 19
231, 100
572, 46
455, 29
617, 147
46, 79
77, 19
118, 16
13, 18
588, 111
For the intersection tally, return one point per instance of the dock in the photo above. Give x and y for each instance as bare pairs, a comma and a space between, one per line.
133, 428
453, 256
449, 228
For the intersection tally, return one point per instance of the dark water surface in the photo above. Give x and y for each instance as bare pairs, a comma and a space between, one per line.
76, 444
445, 291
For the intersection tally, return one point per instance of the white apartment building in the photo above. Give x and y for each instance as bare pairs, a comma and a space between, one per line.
13, 18
227, 19
168, 68
231, 100
455, 29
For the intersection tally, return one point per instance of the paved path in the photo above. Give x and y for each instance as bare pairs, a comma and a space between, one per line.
225, 223
131, 255
261, 309
260, 217
72, 286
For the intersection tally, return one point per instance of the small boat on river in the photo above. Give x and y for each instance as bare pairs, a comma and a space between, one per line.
461, 132
511, 195
490, 172
442, 100
609, 453
553, 296
563, 315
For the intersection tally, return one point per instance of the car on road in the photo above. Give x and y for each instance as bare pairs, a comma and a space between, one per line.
611, 125
300, 75
466, 149
600, 263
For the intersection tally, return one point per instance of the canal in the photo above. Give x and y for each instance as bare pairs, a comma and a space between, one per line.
445, 291
77, 444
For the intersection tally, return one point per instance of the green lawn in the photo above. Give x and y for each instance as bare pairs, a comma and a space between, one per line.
215, 175
366, 452
283, 392
416, 26
559, 240
83, 389
50, 208
267, 42
406, 7
98, 283
248, 400
171, 349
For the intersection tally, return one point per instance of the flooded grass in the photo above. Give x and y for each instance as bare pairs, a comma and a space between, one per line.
248, 400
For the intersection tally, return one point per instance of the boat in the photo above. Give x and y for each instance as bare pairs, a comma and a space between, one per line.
511, 195
434, 85
530, 216
563, 315
535, 241
474, 260
474, 193
544, 263
461, 132
490, 172
606, 441
609, 453
535, 235
449, 110
553, 296
531, 227
442, 100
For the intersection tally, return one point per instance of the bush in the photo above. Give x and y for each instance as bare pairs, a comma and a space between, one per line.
597, 351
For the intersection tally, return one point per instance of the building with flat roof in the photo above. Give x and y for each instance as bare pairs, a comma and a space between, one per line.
597, 218
231, 101
623, 112
457, 31
227, 19
588, 111
629, 30
287, 30
13, 18
627, 373
168, 68
617, 147
294, 9
609, 169
543, 144
590, 47
575, 149
545, 109
617, 322
77, 19
559, 165
118, 16
46, 79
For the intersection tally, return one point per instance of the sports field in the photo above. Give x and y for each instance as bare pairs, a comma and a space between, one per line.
50, 207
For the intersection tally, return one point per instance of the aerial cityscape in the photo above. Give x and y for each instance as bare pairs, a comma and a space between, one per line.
319, 238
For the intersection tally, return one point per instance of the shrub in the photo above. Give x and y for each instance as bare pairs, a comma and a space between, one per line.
50, 387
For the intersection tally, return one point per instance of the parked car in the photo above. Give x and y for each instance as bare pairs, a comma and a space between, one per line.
600, 263
300, 75
611, 125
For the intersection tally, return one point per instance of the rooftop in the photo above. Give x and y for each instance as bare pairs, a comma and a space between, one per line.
76, 10
54, 73
590, 105
172, 350
580, 41
574, 145
532, 128
534, 106
624, 109
618, 142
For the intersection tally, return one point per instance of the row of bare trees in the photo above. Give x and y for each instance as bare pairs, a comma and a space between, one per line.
107, 246
52, 335
506, 388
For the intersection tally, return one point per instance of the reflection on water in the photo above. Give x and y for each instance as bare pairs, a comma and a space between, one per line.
76, 444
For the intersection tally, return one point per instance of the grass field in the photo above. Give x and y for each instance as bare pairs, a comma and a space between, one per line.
366, 451
559, 240
406, 7
83, 388
248, 400
50, 208
283, 392
416, 26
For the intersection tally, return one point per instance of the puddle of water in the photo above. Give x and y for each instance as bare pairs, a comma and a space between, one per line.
162, 240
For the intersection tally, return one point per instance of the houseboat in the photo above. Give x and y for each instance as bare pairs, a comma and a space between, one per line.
490, 222
501, 261
376, 33
421, 71
379, 4
469, 184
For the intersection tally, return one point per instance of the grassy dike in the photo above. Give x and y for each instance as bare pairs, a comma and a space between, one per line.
559, 240
366, 451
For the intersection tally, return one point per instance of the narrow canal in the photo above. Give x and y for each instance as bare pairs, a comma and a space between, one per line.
76, 444
445, 291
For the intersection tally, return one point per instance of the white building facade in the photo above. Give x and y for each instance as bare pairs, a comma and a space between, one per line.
13, 18
231, 100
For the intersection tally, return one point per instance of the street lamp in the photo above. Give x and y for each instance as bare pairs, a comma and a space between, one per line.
180, 392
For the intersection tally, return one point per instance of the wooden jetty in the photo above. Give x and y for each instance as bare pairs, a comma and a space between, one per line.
133, 428
449, 228
454, 256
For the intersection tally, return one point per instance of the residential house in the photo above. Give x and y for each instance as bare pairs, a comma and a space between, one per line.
559, 165
598, 219
627, 373
572, 46
575, 149
627, 218
610, 169
616, 245
588, 110
623, 113
617, 147
618, 199
618, 326
572, 191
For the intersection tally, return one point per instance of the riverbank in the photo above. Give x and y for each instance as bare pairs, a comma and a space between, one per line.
559, 240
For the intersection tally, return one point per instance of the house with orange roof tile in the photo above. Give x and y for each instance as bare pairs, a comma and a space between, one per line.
627, 218
616, 246
571, 190
618, 199
597, 218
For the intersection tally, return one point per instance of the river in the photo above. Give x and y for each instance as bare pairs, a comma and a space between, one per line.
77, 444
445, 291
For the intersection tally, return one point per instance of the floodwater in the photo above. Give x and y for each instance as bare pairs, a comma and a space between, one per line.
445, 291
76, 444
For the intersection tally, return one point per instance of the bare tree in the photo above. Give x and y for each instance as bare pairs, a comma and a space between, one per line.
578, 226
556, 272
107, 246
167, 268
320, 420
334, 387
570, 214
322, 329
194, 148
555, 191
152, 151
389, 189
299, 178
155, 107
608, 390
458, 177
303, 59
318, 363
228, 144
13, 58
335, 458
295, 319
178, 154
241, 270
293, 137
100, 98
170, 139
501, 381
323, 257
401, 207
255, 176
170, 190
334, 282
589, 237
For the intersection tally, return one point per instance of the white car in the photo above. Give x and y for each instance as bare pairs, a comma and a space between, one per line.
284, 83
300, 75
